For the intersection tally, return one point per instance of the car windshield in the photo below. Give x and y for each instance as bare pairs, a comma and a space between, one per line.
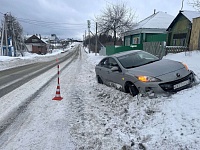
136, 59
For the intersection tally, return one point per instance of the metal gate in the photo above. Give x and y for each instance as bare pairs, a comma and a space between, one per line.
155, 48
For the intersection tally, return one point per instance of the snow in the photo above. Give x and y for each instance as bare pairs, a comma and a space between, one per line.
94, 116
7, 62
159, 20
190, 14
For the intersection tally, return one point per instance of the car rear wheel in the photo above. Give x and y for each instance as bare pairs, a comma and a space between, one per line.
99, 80
131, 88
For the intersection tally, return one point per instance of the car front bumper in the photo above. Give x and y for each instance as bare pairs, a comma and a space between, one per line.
166, 87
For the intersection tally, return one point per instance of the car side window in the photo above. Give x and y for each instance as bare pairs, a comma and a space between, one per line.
104, 63
112, 62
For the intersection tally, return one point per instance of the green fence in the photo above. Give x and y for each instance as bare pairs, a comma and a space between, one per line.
116, 49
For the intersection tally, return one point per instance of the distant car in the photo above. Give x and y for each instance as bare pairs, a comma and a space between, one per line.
137, 71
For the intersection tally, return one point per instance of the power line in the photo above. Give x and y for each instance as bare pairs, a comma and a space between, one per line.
54, 26
48, 25
46, 22
50, 22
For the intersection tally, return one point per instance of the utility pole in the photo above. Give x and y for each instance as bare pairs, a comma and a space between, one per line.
96, 41
6, 36
85, 34
2, 37
85, 37
89, 33
13, 38
84, 43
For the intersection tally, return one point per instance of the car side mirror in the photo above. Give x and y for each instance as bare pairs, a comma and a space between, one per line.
114, 69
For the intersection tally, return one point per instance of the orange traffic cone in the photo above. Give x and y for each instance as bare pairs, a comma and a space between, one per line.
57, 97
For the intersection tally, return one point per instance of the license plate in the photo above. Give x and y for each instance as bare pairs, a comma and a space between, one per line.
179, 85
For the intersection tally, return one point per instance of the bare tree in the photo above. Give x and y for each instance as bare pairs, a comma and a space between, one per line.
195, 4
115, 19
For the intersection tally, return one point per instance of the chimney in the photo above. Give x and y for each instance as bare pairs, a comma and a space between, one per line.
154, 11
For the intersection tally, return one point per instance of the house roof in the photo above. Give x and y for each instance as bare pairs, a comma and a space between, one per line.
188, 14
159, 20
34, 39
156, 23
45, 39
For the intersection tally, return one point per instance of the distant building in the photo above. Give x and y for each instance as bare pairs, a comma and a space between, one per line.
36, 45
53, 39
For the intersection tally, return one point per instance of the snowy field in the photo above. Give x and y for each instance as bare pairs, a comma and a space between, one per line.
96, 117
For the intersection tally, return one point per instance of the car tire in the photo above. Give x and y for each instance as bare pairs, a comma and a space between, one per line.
132, 89
99, 80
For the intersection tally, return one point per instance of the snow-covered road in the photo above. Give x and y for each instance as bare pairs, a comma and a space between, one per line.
45, 123
96, 117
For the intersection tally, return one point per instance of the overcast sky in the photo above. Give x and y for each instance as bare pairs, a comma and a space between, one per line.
68, 18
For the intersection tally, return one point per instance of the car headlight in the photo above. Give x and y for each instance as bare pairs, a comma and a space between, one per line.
186, 67
148, 79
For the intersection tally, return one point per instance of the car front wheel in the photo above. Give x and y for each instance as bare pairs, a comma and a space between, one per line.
132, 89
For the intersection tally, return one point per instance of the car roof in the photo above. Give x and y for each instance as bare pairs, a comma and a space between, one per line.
125, 53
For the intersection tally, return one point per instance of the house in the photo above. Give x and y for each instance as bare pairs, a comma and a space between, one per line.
36, 45
53, 39
151, 29
179, 31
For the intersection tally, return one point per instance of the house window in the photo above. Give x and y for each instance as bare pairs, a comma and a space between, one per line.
182, 42
136, 40
179, 39
174, 42
179, 42
34, 40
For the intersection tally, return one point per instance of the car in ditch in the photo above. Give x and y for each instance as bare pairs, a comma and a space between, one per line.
137, 71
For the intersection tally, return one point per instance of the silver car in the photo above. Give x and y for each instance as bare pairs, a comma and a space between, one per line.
137, 71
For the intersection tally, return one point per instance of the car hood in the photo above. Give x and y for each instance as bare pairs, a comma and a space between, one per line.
157, 68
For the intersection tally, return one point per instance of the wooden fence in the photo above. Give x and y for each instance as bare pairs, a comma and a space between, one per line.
176, 49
